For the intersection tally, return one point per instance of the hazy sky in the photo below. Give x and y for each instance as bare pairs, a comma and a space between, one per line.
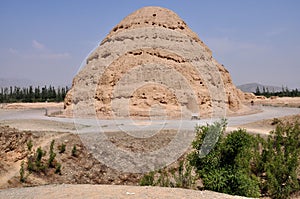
46, 41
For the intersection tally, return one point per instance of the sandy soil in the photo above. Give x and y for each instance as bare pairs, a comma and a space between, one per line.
32, 105
263, 127
108, 191
280, 101
41, 125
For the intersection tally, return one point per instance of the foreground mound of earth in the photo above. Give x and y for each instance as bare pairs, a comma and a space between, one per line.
108, 191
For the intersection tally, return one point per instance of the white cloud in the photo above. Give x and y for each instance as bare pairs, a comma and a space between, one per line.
37, 45
12, 51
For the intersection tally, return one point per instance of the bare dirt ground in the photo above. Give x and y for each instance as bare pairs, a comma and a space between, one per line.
32, 105
280, 101
270, 124
80, 174
41, 125
109, 191
263, 127
81, 171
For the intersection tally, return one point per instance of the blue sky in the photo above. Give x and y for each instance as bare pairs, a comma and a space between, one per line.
46, 41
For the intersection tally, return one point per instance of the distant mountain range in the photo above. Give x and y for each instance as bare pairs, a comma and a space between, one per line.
251, 88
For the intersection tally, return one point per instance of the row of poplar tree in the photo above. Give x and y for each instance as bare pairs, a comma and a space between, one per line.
33, 94
285, 92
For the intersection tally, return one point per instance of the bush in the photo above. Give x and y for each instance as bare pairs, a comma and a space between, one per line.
51, 155
180, 177
239, 164
280, 160
29, 145
275, 121
226, 168
22, 172
147, 179
74, 151
36, 163
58, 169
184, 178
62, 148
38, 159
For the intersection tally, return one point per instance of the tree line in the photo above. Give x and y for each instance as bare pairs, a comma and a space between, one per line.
285, 92
33, 94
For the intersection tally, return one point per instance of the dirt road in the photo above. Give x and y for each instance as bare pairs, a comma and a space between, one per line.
35, 119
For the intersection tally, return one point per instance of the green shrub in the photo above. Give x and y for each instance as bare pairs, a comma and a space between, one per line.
29, 145
147, 179
39, 166
163, 179
74, 151
206, 155
226, 167
34, 162
51, 155
22, 172
275, 121
239, 164
180, 177
62, 148
58, 168
184, 178
30, 164
280, 160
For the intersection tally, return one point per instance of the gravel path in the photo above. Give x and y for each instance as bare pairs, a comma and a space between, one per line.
13, 117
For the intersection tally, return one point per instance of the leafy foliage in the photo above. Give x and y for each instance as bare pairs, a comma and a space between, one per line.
226, 168
31, 94
37, 163
74, 151
29, 145
184, 178
51, 155
58, 168
180, 177
22, 172
239, 164
148, 179
286, 92
62, 148
279, 161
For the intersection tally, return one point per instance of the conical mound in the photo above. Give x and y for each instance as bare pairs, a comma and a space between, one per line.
155, 17
152, 65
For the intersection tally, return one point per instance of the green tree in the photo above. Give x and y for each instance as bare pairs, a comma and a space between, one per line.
257, 92
52, 155
226, 168
280, 160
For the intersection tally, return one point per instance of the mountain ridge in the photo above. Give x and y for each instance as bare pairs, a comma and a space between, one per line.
251, 87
